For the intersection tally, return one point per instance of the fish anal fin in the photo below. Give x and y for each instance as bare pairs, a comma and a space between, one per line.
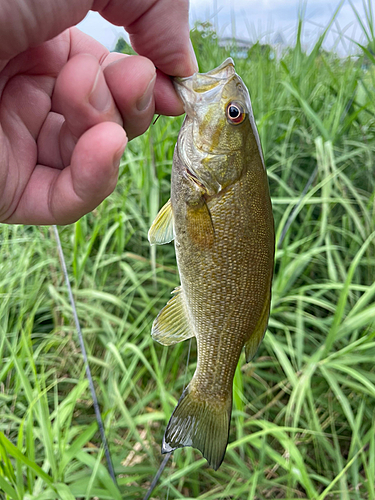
199, 225
201, 424
172, 323
161, 230
256, 337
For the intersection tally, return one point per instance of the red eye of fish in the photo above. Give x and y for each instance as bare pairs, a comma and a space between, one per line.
235, 113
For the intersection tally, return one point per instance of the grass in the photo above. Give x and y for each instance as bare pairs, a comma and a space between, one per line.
303, 416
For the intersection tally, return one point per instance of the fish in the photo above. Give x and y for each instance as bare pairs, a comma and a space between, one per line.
220, 218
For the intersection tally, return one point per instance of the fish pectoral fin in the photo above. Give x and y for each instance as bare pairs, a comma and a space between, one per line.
172, 323
199, 225
201, 424
252, 344
161, 230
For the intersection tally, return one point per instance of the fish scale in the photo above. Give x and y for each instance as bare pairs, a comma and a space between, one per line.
220, 217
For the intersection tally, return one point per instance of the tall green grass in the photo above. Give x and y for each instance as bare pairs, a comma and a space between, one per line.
303, 416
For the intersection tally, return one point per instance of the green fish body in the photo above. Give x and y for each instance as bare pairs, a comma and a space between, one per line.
220, 217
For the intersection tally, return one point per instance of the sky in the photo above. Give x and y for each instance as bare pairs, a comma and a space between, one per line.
258, 20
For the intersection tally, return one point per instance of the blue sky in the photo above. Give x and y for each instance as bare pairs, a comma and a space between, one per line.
257, 19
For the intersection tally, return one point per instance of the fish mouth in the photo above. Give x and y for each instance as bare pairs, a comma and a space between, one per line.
222, 72
210, 83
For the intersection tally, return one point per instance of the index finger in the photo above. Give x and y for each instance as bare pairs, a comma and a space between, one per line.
158, 30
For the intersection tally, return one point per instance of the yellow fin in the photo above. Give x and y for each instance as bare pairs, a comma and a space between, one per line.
252, 344
161, 231
172, 323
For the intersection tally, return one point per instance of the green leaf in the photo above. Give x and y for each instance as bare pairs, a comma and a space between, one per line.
16, 453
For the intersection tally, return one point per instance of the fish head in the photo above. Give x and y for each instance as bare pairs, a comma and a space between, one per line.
219, 126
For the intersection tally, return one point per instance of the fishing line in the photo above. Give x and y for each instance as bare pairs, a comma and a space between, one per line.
84, 355
156, 119
157, 476
167, 456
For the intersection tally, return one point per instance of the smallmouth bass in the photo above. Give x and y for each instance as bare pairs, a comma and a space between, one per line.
220, 218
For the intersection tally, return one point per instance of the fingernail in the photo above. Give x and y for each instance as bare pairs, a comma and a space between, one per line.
193, 58
144, 102
100, 97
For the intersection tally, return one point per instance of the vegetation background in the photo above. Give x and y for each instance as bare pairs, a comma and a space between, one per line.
303, 415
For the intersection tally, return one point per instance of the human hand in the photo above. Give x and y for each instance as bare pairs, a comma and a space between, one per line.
64, 99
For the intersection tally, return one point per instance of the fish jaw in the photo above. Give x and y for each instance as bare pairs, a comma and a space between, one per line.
205, 97
210, 145
191, 88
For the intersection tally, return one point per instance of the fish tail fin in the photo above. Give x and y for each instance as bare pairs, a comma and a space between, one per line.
200, 424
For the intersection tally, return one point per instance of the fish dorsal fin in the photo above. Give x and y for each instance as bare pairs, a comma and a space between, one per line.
172, 323
161, 231
256, 337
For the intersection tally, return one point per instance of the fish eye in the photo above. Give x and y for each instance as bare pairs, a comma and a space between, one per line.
235, 113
